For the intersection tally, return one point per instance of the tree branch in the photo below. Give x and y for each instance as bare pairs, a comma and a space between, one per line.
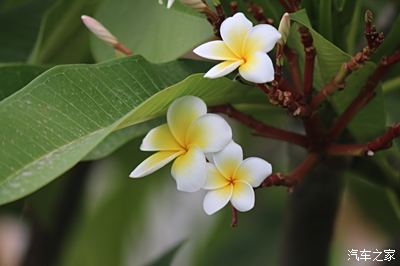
309, 51
380, 143
364, 97
286, 98
294, 68
278, 179
261, 128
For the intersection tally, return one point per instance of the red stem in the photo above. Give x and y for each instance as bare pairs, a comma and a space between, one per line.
309, 50
234, 221
278, 179
294, 68
380, 143
122, 48
262, 129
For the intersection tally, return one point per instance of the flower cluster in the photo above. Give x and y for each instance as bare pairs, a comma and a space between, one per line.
190, 138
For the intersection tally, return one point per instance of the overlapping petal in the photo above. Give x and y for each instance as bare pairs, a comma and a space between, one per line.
210, 133
181, 114
160, 139
261, 38
234, 31
228, 159
189, 170
223, 69
154, 162
253, 170
214, 178
258, 68
242, 196
217, 199
216, 50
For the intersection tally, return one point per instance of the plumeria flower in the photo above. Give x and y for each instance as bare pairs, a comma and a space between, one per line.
230, 178
188, 134
243, 46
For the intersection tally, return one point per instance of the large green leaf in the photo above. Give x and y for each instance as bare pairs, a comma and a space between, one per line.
15, 76
150, 29
62, 37
63, 114
371, 120
118, 138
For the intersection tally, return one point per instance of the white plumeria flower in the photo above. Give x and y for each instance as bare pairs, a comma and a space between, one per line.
230, 178
242, 46
188, 134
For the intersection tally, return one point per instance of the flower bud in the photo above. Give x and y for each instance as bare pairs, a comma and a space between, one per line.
195, 4
99, 30
284, 28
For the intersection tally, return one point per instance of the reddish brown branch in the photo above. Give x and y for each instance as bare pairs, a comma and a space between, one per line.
214, 19
294, 68
309, 51
261, 128
288, 99
338, 81
285, 6
380, 143
234, 221
364, 97
234, 7
374, 38
278, 179
258, 14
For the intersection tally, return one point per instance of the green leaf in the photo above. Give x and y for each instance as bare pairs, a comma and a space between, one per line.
19, 26
150, 29
377, 203
118, 138
325, 19
58, 118
62, 37
370, 122
15, 76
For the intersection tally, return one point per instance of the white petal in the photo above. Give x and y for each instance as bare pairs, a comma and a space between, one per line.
214, 179
222, 69
234, 31
153, 163
160, 139
181, 114
262, 38
228, 159
217, 199
216, 50
210, 133
189, 170
170, 2
242, 196
258, 68
253, 170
